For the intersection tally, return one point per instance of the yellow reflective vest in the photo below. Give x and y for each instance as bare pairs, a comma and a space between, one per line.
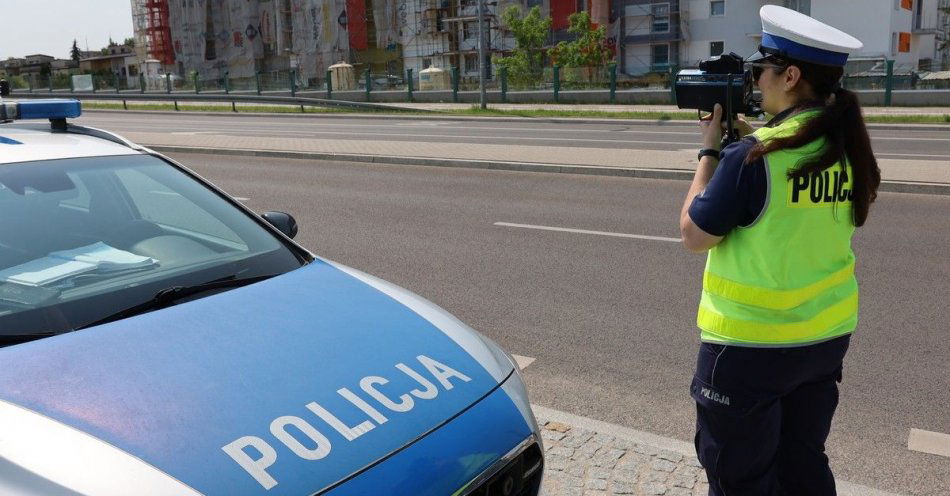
788, 278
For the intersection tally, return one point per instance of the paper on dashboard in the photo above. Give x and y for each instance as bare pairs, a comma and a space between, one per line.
46, 270
105, 257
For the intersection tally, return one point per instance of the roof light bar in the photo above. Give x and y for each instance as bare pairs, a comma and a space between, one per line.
40, 109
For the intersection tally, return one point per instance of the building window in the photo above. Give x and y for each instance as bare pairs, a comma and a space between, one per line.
470, 30
803, 6
903, 42
907, 4
440, 21
717, 7
661, 17
716, 48
660, 57
471, 62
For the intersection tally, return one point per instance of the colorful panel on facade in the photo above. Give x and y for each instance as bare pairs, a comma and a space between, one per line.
356, 24
560, 11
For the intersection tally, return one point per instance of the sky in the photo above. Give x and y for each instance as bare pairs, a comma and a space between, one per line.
49, 26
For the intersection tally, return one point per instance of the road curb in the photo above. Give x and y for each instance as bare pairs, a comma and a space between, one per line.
434, 115
591, 170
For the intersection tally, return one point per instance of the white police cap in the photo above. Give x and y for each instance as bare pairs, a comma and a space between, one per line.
793, 35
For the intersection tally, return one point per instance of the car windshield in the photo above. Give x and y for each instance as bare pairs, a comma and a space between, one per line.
84, 238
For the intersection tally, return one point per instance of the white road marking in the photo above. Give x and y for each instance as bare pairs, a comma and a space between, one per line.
241, 198
935, 443
585, 231
523, 361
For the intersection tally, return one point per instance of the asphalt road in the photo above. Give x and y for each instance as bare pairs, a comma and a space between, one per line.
610, 319
670, 136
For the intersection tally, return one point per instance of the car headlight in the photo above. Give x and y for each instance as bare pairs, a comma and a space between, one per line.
514, 386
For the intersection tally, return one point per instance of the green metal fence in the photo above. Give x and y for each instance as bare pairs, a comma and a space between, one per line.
553, 80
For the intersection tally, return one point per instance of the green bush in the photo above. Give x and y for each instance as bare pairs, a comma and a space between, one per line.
17, 82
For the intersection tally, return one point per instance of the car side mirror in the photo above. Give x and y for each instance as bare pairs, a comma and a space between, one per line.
284, 222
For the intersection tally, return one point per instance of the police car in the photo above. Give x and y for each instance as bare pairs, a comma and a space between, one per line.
159, 338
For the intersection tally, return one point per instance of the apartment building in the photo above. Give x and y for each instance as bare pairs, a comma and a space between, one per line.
660, 33
242, 37
904, 31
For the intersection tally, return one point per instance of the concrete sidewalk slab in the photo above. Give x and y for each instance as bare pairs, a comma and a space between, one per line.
902, 175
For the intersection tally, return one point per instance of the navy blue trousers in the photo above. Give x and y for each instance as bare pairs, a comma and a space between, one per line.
762, 417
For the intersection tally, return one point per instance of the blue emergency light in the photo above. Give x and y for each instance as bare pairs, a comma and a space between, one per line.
40, 109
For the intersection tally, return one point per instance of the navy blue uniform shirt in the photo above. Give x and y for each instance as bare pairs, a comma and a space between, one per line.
735, 194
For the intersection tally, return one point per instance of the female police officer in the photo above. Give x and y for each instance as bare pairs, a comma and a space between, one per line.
779, 298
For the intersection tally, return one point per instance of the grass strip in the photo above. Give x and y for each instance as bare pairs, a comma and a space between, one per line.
475, 111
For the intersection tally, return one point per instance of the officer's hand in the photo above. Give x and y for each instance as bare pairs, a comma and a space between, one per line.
711, 127
742, 127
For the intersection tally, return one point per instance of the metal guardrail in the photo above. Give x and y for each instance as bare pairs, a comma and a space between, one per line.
389, 100
133, 95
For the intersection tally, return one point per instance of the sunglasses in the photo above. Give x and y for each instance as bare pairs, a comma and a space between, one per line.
758, 67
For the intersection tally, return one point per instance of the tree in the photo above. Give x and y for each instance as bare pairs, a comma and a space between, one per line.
525, 65
589, 50
129, 42
74, 52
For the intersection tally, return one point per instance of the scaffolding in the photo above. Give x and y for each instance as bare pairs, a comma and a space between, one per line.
642, 17
432, 35
158, 32
445, 32
140, 28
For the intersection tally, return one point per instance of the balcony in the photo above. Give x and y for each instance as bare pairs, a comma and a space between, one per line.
673, 35
924, 23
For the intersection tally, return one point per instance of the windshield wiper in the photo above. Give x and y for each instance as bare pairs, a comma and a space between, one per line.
168, 296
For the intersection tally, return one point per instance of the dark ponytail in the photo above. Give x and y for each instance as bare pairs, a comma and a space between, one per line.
841, 123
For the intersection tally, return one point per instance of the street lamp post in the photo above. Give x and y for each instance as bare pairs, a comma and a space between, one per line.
481, 54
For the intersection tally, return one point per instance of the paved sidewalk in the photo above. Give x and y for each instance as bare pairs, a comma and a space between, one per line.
540, 157
585, 457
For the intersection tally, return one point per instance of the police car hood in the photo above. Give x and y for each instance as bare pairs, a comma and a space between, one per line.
331, 368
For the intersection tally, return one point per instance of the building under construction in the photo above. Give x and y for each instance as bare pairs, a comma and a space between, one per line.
243, 37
